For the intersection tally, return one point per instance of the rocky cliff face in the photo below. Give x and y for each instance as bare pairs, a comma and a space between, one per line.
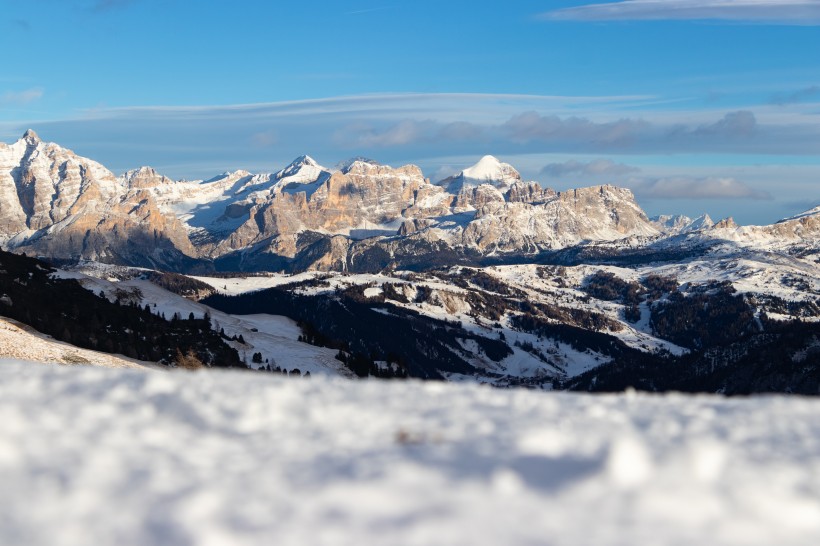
55, 203
42, 184
602, 213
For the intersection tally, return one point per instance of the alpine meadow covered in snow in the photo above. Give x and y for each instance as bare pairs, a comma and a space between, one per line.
606, 332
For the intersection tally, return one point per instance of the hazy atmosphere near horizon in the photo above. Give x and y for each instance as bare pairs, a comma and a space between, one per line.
698, 106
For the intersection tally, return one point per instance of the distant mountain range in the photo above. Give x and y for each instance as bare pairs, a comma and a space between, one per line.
481, 276
361, 217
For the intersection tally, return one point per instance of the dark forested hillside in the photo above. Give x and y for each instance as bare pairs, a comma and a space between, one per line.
784, 358
366, 331
66, 311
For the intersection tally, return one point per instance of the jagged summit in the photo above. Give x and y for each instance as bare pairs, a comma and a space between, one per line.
345, 165
144, 170
678, 223
145, 177
30, 137
488, 170
304, 160
303, 168
303, 174
670, 222
726, 223
295, 166
704, 221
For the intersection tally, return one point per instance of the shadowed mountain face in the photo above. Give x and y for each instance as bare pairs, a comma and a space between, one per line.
363, 217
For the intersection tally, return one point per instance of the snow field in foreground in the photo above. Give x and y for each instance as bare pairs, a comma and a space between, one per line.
116, 456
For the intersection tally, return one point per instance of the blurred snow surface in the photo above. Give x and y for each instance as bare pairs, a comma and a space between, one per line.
127, 457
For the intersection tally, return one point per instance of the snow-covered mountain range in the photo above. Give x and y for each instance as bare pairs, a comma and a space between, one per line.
362, 217
502, 281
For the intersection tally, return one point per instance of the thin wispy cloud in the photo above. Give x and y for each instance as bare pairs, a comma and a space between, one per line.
788, 12
402, 128
21, 98
406, 132
368, 10
801, 95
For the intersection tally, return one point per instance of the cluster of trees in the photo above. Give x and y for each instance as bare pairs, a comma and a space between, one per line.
607, 286
393, 292
783, 358
296, 372
366, 366
66, 311
799, 308
580, 339
181, 285
714, 315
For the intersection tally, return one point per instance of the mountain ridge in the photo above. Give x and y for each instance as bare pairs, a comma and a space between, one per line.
305, 216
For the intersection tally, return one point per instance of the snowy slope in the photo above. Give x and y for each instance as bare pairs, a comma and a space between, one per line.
21, 342
90, 456
273, 336
812, 212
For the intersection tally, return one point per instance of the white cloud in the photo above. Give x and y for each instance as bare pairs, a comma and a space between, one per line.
598, 167
532, 126
686, 187
20, 98
402, 133
792, 12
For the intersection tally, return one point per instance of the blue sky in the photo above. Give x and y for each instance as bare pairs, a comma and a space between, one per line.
697, 105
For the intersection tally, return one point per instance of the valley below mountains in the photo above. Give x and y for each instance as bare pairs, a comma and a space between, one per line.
369, 270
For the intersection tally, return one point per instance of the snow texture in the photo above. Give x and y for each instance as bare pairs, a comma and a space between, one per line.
106, 456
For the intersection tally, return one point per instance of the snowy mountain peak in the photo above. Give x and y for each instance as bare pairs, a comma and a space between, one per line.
678, 223
487, 167
488, 170
297, 165
302, 175
304, 160
703, 221
670, 223
144, 177
357, 163
142, 171
31, 138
